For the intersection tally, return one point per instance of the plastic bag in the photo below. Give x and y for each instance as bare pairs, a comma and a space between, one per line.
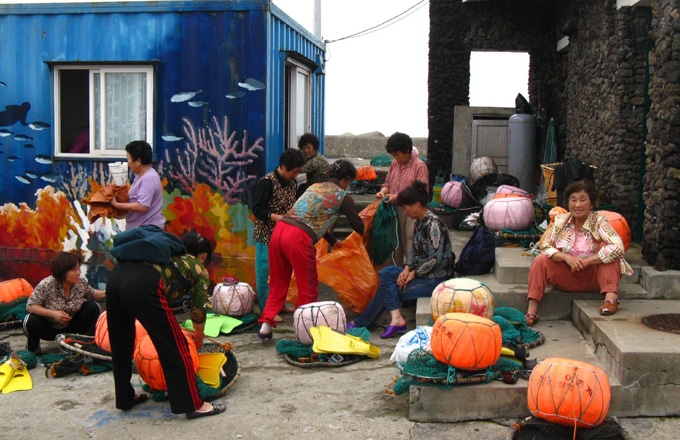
416, 338
347, 270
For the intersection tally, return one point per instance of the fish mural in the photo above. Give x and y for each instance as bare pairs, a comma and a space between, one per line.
184, 96
171, 137
251, 84
13, 114
22, 138
39, 125
236, 94
43, 159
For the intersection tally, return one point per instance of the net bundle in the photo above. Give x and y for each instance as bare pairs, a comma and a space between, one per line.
422, 368
297, 350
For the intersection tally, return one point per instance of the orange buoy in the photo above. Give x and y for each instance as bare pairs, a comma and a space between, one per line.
466, 341
569, 392
148, 364
101, 332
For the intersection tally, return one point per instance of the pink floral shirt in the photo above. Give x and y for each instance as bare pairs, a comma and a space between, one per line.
600, 237
400, 177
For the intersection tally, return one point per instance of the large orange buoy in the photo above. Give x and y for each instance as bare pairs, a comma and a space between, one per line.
101, 332
466, 341
11, 290
461, 295
569, 392
148, 364
620, 225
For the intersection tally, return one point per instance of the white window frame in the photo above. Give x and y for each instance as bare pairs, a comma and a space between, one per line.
297, 128
102, 70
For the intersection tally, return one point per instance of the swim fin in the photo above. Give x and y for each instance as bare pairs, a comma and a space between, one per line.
327, 340
6, 373
21, 380
210, 367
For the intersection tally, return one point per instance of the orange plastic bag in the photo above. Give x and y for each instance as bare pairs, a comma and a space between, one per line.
347, 270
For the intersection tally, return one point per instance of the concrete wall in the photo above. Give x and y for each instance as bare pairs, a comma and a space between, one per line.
364, 146
613, 92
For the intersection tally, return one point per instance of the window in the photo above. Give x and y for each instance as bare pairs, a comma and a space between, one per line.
298, 102
100, 109
497, 77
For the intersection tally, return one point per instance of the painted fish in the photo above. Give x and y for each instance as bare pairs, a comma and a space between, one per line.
39, 125
5, 132
3, 84
32, 174
12, 158
28, 145
24, 179
49, 177
43, 159
184, 96
197, 103
22, 138
170, 137
235, 94
251, 84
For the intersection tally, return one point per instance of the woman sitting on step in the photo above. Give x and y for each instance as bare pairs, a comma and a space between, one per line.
581, 252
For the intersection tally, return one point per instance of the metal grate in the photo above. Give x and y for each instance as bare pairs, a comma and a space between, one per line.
666, 322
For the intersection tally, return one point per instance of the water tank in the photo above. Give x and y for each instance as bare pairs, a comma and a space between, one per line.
522, 149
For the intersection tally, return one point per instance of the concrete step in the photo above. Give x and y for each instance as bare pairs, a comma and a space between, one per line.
496, 399
644, 360
512, 265
556, 305
642, 365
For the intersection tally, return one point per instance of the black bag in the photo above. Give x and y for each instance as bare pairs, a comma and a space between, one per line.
488, 184
478, 255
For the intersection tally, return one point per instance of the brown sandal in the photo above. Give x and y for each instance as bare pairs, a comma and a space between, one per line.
609, 307
531, 319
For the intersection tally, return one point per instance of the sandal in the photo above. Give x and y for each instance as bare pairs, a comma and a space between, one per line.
531, 319
609, 307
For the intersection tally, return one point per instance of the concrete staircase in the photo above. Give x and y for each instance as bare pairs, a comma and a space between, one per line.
643, 364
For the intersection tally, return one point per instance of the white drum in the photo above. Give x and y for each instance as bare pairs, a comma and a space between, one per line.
233, 298
329, 313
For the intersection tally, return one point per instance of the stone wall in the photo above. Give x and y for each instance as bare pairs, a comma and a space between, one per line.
365, 146
596, 90
661, 243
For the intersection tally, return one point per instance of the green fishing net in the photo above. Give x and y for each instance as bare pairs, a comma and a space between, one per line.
297, 350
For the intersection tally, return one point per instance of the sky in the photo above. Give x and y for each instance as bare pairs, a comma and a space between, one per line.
378, 82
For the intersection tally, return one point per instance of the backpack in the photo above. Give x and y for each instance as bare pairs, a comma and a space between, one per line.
478, 255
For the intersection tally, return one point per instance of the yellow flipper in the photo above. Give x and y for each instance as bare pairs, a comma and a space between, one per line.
210, 367
6, 373
20, 380
327, 340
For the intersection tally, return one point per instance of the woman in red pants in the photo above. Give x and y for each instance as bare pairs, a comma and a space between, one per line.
292, 244
581, 253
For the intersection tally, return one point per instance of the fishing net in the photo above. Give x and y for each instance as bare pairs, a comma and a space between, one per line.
384, 233
231, 371
422, 368
533, 428
12, 313
301, 355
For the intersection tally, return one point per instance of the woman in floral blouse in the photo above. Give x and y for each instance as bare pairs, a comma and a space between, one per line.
61, 303
581, 252
429, 263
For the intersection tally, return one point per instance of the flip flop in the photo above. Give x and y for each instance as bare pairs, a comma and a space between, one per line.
327, 340
6, 373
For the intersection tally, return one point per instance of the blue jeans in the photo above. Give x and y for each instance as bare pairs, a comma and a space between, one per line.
389, 297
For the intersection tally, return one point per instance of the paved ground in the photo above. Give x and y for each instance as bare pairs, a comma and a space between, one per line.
272, 399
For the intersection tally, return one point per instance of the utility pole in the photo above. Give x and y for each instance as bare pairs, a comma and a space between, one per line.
317, 19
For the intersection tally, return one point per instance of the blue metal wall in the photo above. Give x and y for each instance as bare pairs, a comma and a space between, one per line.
286, 36
208, 46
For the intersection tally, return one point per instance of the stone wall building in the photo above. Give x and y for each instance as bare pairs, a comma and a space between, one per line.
613, 91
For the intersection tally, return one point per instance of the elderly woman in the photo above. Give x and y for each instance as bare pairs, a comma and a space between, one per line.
61, 303
292, 243
581, 252
316, 168
430, 262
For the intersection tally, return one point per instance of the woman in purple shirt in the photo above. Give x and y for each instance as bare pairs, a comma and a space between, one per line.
145, 206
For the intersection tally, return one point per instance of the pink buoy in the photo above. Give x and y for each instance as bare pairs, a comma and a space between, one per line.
452, 194
328, 313
509, 189
514, 213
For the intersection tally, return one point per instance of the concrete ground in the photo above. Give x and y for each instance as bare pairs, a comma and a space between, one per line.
271, 399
